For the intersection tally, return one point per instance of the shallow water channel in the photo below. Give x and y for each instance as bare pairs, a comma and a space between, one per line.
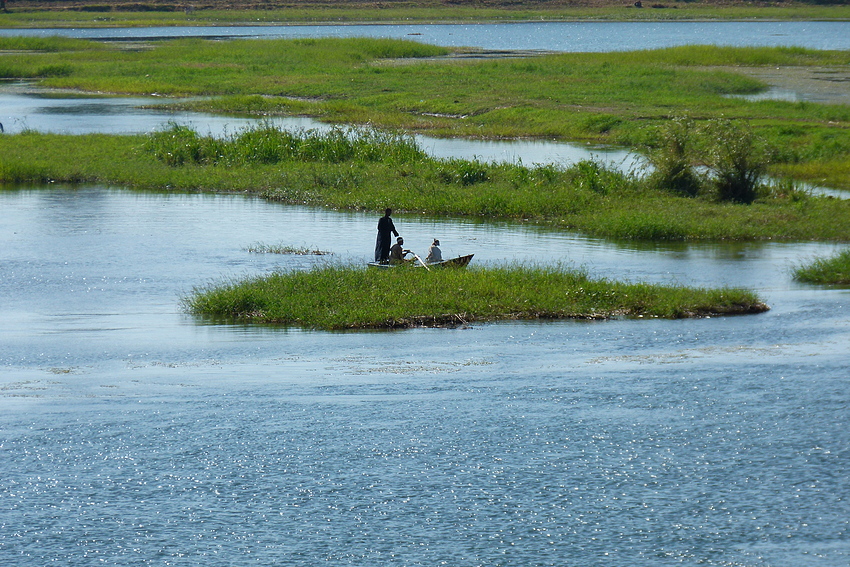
133, 433
25, 107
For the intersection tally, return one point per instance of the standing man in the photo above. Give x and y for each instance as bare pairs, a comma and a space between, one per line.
385, 228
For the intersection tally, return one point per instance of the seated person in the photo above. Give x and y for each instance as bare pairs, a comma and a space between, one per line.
397, 253
434, 254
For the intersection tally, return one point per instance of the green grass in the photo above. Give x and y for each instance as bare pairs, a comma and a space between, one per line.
344, 297
611, 98
834, 270
389, 171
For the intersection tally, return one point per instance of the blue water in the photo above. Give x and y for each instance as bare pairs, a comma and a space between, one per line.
548, 36
133, 434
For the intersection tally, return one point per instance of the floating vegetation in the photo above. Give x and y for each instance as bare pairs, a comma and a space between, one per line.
260, 248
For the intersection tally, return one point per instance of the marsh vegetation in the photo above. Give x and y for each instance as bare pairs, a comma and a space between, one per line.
708, 180
262, 248
366, 170
832, 270
61, 13
609, 98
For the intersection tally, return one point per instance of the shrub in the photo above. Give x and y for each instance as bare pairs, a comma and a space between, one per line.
737, 160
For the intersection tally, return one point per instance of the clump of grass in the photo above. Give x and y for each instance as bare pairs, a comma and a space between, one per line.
833, 270
266, 144
260, 248
348, 297
672, 161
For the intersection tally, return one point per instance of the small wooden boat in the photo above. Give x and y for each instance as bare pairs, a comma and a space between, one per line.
459, 262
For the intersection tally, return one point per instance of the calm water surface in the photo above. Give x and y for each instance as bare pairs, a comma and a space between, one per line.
134, 434
547, 36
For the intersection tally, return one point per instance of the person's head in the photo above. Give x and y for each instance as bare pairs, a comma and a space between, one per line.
388, 212
400, 240
436, 242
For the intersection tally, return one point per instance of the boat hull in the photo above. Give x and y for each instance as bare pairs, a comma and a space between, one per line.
459, 262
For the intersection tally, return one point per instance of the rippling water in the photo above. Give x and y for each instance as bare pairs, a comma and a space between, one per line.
131, 433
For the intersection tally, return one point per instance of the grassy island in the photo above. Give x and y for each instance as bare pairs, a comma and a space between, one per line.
833, 270
345, 297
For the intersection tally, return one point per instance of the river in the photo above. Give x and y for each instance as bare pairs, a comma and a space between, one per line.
132, 433
545, 36
135, 434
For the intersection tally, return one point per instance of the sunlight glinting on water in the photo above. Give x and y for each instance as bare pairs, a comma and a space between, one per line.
132, 433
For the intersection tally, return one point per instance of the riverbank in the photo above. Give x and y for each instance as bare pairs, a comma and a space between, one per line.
73, 13
345, 297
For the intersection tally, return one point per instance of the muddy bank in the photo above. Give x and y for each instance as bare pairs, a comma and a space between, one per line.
813, 84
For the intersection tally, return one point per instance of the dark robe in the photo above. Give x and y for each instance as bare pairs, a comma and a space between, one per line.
382, 245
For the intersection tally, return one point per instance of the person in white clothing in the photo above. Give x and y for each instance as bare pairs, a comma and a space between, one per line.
434, 254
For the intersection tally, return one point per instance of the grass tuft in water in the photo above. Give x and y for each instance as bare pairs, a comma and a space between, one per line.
350, 297
260, 248
833, 270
